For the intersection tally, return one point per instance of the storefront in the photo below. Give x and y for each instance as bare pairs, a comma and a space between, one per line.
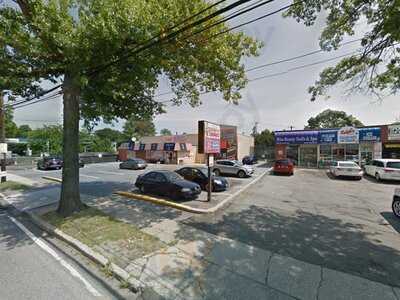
319, 148
391, 141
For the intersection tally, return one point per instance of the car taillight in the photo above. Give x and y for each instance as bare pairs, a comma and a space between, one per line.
388, 170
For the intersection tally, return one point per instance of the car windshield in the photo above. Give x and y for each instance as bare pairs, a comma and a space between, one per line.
348, 164
204, 171
172, 176
393, 164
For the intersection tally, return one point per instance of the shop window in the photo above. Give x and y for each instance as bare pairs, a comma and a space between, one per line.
352, 152
292, 152
142, 147
325, 154
154, 147
308, 156
183, 146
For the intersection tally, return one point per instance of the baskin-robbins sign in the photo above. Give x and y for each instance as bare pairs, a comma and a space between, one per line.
296, 137
348, 135
394, 132
372, 134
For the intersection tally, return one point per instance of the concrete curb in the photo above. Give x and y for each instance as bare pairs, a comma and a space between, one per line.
187, 208
87, 251
52, 179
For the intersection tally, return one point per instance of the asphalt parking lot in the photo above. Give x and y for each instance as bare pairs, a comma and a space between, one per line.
346, 225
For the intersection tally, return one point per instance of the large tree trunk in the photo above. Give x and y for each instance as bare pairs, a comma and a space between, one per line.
70, 201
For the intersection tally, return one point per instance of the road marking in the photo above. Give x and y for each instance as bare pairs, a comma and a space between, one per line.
88, 176
42, 244
111, 173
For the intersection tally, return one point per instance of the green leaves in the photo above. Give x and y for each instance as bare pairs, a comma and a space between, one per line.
373, 71
332, 119
48, 38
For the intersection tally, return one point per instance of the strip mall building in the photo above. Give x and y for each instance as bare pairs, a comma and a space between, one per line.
318, 148
182, 149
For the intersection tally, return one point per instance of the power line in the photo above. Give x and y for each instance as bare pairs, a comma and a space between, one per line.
174, 34
171, 35
277, 62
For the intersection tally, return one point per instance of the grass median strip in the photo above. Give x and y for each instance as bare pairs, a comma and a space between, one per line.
99, 230
13, 186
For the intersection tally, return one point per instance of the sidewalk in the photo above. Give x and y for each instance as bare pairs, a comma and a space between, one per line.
193, 264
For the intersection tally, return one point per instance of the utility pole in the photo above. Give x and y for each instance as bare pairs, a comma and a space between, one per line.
291, 127
3, 145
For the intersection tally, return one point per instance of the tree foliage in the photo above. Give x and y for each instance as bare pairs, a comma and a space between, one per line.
165, 131
332, 119
46, 139
23, 131
265, 138
11, 128
139, 128
376, 68
72, 40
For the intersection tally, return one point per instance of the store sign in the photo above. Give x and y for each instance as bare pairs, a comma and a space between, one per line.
296, 137
348, 135
328, 137
169, 146
370, 134
394, 132
209, 138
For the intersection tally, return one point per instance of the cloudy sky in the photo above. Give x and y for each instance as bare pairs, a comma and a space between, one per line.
275, 102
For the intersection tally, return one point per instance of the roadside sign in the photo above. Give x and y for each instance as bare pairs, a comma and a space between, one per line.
209, 138
3, 148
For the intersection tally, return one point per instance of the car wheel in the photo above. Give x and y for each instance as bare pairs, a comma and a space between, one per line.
396, 207
217, 172
241, 174
142, 189
377, 176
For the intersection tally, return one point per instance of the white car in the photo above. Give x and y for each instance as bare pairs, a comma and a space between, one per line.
382, 169
346, 169
396, 203
232, 167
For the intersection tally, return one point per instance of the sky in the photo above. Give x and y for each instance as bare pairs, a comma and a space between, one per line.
274, 103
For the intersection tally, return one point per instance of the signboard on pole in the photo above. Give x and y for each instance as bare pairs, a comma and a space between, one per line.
209, 138
3, 148
394, 132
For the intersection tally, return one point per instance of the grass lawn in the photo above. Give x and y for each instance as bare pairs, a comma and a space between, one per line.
95, 228
13, 186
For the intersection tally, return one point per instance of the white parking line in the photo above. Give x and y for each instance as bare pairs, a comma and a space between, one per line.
42, 244
88, 176
111, 173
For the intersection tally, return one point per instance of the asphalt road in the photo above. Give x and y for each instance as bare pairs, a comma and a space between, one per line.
32, 267
345, 225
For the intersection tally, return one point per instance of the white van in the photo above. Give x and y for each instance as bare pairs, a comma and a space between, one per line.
384, 169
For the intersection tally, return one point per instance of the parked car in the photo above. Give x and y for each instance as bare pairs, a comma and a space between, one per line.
396, 203
133, 164
199, 175
232, 167
168, 184
156, 160
283, 167
249, 160
54, 163
346, 169
50, 163
384, 169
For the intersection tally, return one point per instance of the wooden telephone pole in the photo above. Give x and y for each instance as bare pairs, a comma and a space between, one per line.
2, 138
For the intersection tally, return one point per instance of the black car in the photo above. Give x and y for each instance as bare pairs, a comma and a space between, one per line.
249, 160
133, 164
54, 163
199, 175
168, 184
50, 163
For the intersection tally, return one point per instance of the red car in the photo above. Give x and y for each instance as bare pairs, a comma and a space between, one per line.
283, 166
